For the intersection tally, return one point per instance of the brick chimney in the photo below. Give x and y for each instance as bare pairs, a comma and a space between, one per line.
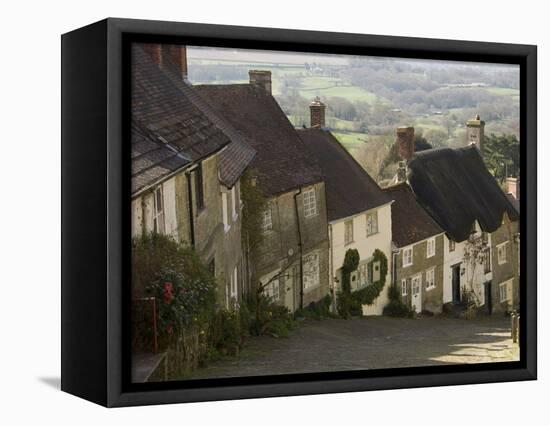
155, 51
176, 55
475, 132
512, 186
317, 113
405, 142
261, 78
173, 55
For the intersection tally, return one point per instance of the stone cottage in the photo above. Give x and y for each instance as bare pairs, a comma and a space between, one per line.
186, 166
291, 264
358, 212
418, 252
481, 246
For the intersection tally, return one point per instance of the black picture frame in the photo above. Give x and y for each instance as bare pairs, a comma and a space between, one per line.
95, 211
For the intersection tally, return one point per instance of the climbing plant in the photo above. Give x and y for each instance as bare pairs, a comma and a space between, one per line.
367, 295
345, 302
349, 301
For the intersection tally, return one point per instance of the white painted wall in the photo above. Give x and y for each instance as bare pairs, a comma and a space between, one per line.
452, 258
143, 208
365, 246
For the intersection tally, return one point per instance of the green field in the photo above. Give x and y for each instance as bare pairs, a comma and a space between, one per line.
350, 140
503, 91
325, 87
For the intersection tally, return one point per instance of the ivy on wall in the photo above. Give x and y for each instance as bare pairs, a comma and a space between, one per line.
351, 302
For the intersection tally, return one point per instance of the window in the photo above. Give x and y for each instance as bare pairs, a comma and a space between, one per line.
403, 287
502, 253
311, 270
272, 290
348, 232
505, 291
158, 214
430, 248
407, 256
234, 202
225, 213
430, 279
452, 245
199, 191
267, 223
271, 284
416, 283
310, 204
372, 223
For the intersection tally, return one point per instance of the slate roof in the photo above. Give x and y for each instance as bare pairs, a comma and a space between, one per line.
167, 110
410, 223
456, 189
152, 160
349, 188
281, 160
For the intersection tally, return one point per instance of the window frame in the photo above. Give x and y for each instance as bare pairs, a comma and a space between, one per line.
502, 246
369, 229
309, 206
406, 249
430, 242
317, 277
267, 214
404, 291
430, 285
452, 245
348, 237
507, 285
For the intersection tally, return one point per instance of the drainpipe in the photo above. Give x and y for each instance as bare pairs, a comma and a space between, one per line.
299, 247
190, 198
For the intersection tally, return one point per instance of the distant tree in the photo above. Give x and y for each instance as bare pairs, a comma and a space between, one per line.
436, 138
420, 143
501, 155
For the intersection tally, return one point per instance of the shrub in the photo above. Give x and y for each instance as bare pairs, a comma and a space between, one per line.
396, 308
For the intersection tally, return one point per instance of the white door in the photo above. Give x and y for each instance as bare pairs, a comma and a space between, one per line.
416, 294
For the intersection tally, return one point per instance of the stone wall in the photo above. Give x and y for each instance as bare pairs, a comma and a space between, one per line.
280, 248
432, 300
509, 269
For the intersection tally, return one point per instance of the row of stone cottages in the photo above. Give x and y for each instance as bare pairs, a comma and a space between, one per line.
191, 145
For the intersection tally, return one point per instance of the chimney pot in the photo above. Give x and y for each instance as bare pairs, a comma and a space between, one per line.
317, 113
512, 186
405, 142
261, 78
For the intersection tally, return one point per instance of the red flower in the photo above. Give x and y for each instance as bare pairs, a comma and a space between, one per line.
167, 292
169, 329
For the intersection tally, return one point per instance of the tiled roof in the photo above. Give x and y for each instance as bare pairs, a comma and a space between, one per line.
410, 223
349, 188
167, 110
152, 160
456, 189
281, 161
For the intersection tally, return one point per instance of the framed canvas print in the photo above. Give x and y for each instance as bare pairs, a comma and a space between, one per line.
252, 212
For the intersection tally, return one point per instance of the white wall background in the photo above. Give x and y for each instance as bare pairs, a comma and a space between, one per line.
30, 236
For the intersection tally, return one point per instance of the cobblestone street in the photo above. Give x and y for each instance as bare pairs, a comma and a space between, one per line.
370, 343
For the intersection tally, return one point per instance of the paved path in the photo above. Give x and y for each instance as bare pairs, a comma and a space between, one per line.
369, 343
